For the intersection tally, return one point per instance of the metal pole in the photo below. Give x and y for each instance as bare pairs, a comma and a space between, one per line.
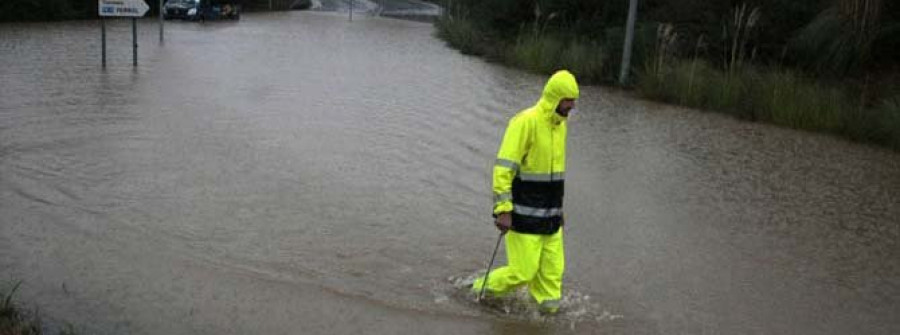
134, 39
351, 10
629, 39
103, 37
488, 273
270, 5
161, 19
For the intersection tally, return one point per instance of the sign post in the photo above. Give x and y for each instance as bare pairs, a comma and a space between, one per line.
103, 37
121, 8
134, 39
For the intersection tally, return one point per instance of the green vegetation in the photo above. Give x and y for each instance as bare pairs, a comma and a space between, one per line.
777, 96
16, 321
828, 66
544, 53
463, 34
13, 320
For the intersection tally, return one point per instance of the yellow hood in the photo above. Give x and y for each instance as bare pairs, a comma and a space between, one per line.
562, 85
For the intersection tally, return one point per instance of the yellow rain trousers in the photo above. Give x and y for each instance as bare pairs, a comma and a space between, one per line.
528, 182
535, 260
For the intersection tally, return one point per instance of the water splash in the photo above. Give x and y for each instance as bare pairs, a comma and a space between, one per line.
575, 306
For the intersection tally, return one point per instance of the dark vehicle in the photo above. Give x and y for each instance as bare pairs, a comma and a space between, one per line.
181, 9
203, 10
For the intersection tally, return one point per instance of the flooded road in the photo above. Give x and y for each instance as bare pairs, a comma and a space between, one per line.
298, 173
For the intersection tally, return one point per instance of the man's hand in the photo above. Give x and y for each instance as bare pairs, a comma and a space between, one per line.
503, 222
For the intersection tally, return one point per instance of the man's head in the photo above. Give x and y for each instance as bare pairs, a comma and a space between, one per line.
560, 93
565, 106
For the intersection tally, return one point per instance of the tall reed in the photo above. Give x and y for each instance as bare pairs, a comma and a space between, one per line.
738, 32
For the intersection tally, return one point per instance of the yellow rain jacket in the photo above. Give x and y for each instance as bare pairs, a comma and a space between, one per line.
529, 175
528, 182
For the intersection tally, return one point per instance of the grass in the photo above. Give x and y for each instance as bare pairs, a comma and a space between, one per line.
462, 34
775, 96
694, 84
533, 50
585, 59
544, 53
16, 321
784, 98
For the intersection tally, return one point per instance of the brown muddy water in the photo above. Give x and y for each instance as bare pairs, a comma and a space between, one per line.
296, 173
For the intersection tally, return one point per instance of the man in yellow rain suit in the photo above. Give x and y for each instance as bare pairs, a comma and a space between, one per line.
528, 185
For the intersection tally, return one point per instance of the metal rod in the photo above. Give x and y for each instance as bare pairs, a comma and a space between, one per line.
491, 264
134, 39
103, 38
351, 10
161, 19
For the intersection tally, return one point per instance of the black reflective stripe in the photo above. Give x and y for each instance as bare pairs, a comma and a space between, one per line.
537, 205
533, 225
538, 194
507, 164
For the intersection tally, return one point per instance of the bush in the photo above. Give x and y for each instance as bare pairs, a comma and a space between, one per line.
584, 59
536, 52
461, 33
777, 96
546, 53
785, 98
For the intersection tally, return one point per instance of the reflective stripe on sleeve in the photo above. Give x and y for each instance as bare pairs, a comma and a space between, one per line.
507, 164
